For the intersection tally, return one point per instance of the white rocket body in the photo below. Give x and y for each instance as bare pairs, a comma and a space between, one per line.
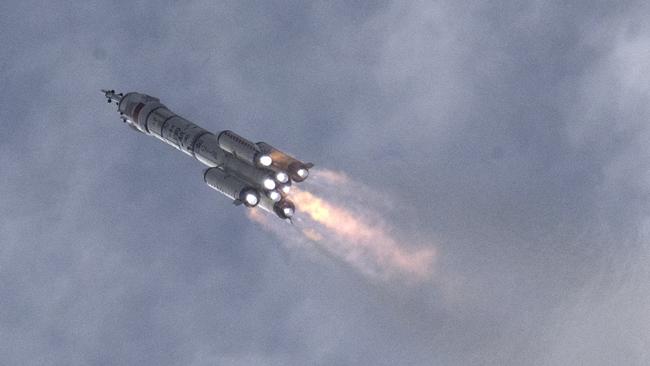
243, 171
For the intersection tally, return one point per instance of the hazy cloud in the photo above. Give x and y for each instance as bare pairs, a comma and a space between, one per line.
512, 136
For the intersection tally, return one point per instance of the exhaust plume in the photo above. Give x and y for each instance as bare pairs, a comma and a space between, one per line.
349, 221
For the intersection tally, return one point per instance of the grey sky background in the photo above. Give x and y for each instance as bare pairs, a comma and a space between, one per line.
514, 136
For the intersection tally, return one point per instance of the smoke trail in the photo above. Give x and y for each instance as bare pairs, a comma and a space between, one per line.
341, 217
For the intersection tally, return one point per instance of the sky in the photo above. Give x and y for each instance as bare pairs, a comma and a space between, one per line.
507, 139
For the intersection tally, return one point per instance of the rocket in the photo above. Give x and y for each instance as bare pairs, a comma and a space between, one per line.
250, 174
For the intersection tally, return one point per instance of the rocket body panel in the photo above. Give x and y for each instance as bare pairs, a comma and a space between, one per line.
231, 186
238, 168
157, 119
182, 134
148, 115
240, 147
207, 151
223, 182
145, 111
262, 178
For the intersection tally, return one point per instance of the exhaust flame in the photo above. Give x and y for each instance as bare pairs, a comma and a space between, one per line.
350, 230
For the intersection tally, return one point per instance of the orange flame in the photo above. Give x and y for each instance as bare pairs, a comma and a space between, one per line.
331, 176
358, 241
312, 234
347, 232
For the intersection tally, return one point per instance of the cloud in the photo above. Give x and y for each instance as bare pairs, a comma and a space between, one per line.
509, 138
